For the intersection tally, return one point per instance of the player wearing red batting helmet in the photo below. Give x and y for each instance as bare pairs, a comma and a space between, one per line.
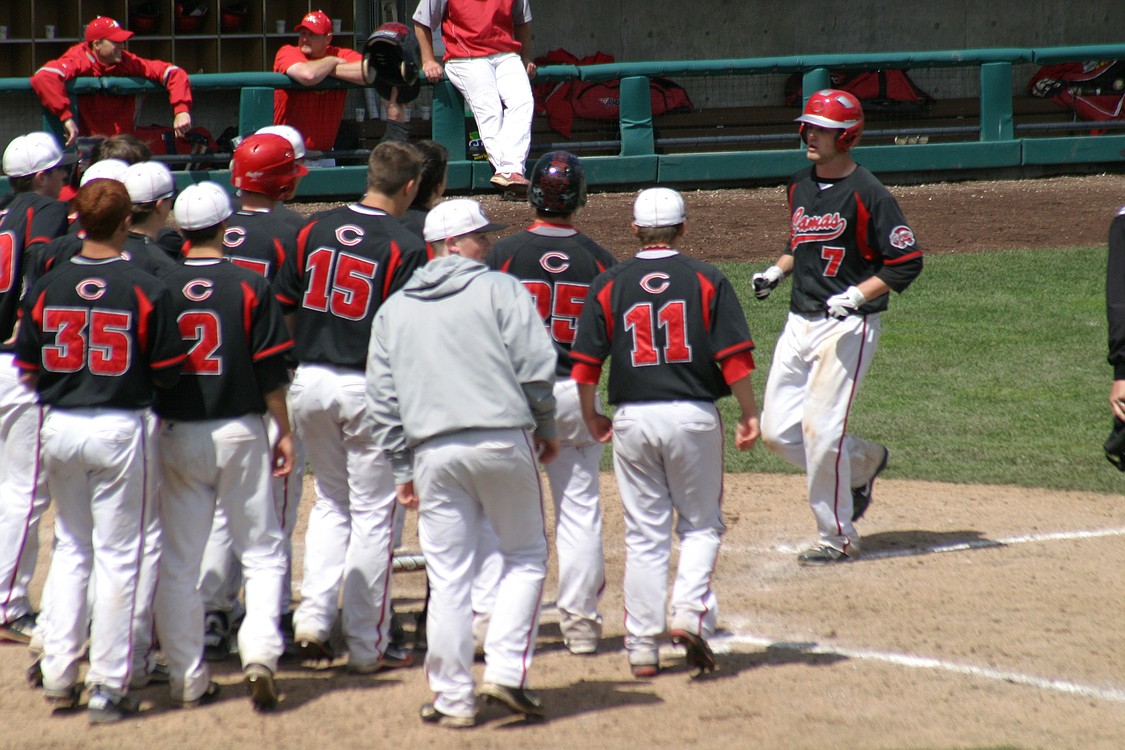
849, 246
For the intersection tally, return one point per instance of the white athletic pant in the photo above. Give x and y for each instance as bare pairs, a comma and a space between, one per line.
461, 480
220, 576
573, 477
350, 527
498, 92
224, 462
668, 456
818, 365
23, 490
101, 472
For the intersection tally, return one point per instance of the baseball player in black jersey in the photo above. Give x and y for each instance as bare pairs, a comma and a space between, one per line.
556, 263
97, 336
36, 170
849, 245
679, 341
265, 171
346, 264
1115, 312
215, 452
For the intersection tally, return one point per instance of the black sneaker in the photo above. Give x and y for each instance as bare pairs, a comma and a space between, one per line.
259, 683
861, 496
699, 654
431, 715
216, 636
517, 700
104, 707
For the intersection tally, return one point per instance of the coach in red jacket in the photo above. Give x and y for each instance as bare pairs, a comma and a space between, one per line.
104, 54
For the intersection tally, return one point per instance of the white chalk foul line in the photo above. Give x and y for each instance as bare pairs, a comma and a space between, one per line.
980, 543
724, 643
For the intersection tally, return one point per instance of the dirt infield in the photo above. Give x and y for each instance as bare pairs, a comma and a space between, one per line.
978, 616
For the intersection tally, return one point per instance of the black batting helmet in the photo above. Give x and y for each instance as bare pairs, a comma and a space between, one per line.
558, 183
392, 60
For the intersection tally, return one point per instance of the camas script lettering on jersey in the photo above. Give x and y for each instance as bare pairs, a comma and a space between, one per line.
817, 228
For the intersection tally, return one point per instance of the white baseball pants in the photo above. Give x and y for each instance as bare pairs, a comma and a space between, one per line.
227, 463
23, 490
498, 92
573, 477
461, 480
101, 472
668, 456
818, 365
350, 527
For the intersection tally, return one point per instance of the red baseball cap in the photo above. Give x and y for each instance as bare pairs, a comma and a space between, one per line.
104, 27
316, 22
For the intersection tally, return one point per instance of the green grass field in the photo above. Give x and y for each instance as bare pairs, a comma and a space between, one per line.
991, 368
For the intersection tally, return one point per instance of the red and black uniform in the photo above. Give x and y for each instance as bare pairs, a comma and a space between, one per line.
556, 264
106, 114
844, 234
148, 254
151, 256
1115, 294
99, 333
259, 240
673, 326
28, 223
346, 264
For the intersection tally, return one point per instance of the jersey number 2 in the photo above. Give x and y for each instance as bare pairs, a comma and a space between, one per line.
201, 329
641, 322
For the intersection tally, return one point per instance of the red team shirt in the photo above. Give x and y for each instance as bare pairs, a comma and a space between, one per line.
673, 326
316, 114
96, 332
106, 114
556, 264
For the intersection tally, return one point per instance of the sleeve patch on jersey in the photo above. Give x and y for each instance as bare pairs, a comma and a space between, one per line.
901, 237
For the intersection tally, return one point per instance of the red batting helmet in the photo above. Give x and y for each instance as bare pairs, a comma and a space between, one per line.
558, 183
833, 108
265, 163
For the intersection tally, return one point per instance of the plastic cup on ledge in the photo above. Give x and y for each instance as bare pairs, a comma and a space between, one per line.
337, 25
360, 114
49, 31
279, 26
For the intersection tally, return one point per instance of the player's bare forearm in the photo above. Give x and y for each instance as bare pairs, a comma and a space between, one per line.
873, 288
314, 71
284, 453
547, 450
430, 66
352, 72
785, 263
599, 425
748, 429
29, 380
406, 496
522, 34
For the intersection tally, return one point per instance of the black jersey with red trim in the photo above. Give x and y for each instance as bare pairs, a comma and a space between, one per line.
556, 263
842, 232
99, 333
28, 223
147, 254
667, 321
346, 264
259, 240
235, 334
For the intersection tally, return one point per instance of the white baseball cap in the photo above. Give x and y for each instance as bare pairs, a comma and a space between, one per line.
34, 153
659, 207
106, 169
201, 205
289, 133
453, 218
149, 181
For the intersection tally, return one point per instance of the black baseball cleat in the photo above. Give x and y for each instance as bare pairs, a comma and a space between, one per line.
259, 683
861, 496
517, 700
431, 715
699, 654
313, 649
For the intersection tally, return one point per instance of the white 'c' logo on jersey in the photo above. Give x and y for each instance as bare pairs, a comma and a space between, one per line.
198, 290
91, 289
234, 236
655, 283
555, 262
349, 235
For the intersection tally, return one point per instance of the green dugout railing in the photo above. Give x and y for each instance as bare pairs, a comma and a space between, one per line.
639, 161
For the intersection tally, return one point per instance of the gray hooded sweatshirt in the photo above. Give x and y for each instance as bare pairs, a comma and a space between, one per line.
459, 348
